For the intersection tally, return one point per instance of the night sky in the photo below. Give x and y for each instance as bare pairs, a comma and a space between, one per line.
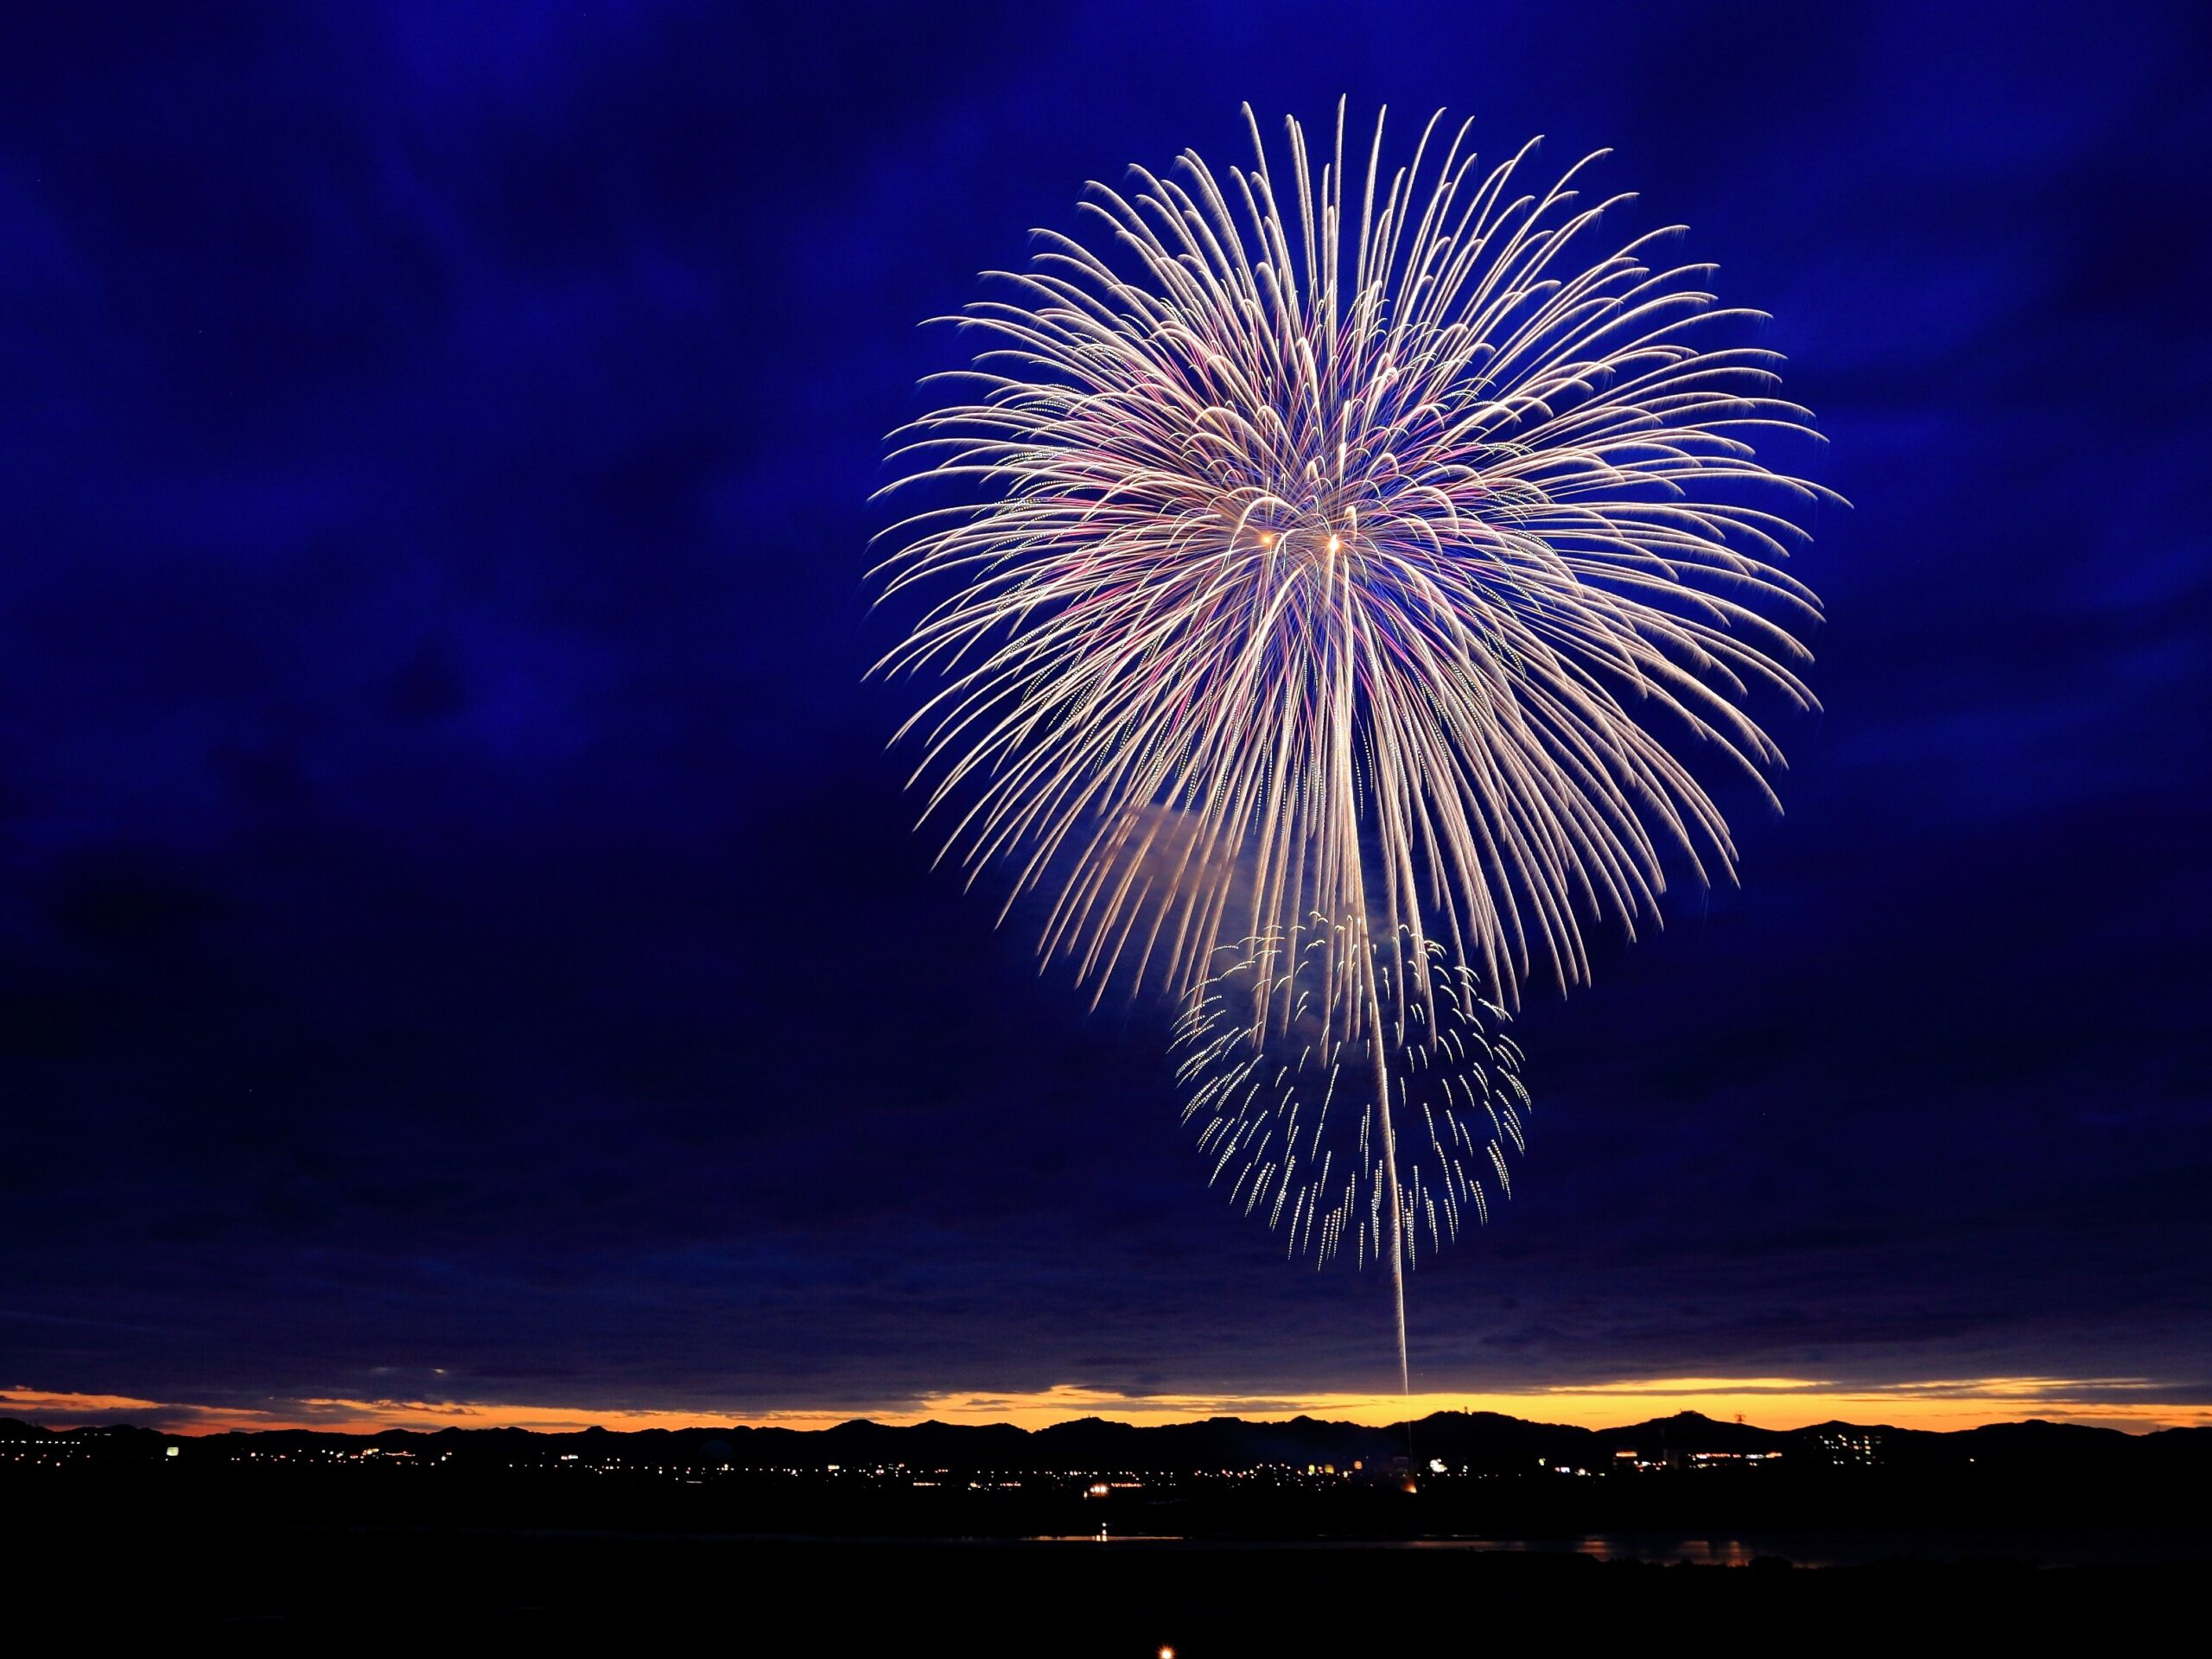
461, 938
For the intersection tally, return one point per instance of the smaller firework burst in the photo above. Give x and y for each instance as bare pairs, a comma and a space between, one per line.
1282, 1098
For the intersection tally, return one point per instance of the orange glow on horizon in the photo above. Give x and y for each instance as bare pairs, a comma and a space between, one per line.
2131, 1403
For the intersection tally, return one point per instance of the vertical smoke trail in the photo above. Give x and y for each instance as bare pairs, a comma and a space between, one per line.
1394, 1196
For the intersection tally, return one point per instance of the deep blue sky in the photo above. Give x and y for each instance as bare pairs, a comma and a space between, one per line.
460, 932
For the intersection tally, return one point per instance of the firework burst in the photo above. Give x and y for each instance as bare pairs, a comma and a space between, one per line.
1283, 1105
1343, 558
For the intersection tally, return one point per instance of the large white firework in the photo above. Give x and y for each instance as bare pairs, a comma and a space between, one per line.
1340, 562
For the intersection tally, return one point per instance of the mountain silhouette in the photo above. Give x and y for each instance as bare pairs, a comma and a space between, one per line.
1457, 1438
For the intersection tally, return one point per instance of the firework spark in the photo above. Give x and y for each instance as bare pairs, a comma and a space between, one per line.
1341, 558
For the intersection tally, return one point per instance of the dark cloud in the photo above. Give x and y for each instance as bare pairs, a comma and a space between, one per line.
455, 912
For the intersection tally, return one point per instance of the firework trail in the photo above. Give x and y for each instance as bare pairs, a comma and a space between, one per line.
1337, 559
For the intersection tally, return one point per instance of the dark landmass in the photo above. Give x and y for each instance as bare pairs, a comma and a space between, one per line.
623, 1594
1092, 1537
1449, 1476
1486, 1441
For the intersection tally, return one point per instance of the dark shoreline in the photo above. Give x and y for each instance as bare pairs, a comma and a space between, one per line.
325, 1585
506, 1536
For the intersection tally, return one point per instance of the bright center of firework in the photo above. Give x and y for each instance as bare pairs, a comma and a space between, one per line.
1303, 546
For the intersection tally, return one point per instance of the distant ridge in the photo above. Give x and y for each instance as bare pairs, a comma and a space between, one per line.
1456, 1438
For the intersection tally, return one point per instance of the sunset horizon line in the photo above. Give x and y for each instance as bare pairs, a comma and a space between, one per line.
2132, 1405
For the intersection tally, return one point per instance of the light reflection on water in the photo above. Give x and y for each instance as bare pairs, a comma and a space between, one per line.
1708, 1552
1721, 1549
1716, 1552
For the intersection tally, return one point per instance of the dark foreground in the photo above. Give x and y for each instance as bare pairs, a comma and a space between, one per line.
314, 1563
317, 1588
